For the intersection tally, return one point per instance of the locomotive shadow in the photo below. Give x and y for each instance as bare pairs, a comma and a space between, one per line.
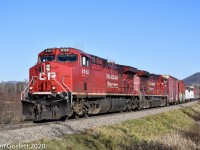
46, 121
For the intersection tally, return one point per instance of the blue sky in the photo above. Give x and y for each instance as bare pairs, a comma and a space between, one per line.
162, 37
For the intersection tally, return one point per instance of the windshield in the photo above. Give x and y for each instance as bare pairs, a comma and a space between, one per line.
67, 58
47, 58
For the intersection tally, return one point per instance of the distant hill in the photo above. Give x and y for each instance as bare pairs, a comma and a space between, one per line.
193, 79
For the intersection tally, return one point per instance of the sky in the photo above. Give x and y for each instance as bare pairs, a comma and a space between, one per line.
159, 36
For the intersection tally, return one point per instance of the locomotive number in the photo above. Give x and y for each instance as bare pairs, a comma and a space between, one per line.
85, 72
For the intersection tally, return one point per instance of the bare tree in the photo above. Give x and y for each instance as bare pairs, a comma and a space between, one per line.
10, 104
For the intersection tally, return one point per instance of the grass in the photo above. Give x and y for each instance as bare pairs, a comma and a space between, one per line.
177, 129
10, 109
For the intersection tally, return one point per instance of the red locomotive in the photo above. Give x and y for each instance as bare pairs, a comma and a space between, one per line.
67, 82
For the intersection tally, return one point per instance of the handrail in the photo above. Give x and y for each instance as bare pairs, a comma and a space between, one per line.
71, 98
27, 86
143, 90
65, 85
60, 85
64, 88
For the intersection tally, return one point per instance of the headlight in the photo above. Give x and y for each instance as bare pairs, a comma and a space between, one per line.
31, 88
53, 88
48, 67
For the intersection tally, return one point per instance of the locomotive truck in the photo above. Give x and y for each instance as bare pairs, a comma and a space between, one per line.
67, 82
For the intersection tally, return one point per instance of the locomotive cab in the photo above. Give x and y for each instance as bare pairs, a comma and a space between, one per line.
51, 69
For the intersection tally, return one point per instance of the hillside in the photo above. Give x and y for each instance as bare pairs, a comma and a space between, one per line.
193, 79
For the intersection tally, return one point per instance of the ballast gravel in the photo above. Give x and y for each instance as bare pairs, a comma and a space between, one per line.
57, 129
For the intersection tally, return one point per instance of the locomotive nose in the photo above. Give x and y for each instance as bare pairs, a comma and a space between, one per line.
45, 78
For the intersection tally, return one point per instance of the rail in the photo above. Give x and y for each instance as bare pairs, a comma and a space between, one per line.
142, 93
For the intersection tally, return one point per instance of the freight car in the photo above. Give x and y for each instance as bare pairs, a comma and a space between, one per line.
67, 82
181, 91
192, 93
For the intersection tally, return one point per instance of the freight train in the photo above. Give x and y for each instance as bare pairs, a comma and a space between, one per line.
67, 82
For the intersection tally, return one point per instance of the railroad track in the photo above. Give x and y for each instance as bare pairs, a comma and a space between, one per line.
24, 124
27, 124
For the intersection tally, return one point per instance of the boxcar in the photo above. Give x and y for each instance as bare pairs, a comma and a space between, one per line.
181, 91
172, 89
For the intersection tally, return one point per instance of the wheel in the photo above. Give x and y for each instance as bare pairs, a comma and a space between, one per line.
76, 116
86, 115
64, 118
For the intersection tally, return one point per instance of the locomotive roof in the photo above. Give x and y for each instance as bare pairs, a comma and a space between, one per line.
81, 51
143, 73
155, 74
168, 76
97, 57
65, 48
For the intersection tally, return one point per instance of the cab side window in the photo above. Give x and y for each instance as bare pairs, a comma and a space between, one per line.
85, 61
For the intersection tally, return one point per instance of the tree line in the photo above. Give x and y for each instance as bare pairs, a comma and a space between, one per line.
10, 102
12, 87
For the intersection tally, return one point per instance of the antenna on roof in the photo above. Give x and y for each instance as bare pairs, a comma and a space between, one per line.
79, 46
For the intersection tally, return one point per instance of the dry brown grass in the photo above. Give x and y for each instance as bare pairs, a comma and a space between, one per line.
180, 141
10, 104
176, 140
10, 109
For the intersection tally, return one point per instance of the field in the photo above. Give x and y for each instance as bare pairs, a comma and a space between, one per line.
175, 130
10, 104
